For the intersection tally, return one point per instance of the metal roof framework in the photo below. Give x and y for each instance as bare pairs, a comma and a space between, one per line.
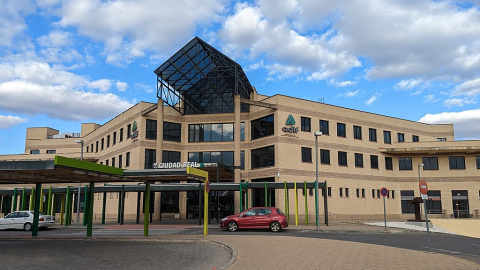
199, 79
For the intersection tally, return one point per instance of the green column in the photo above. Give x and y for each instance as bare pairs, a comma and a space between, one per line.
32, 197
119, 207
67, 206
104, 206
266, 195
89, 212
325, 203
62, 208
23, 199
286, 197
147, 209
306, 205
241, 197
246, 195
85, 206
54, 204
41, 200
36, 214
49, 206
14, 204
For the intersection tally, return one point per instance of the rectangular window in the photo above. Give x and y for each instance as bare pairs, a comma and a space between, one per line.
442, 139
393, 193
34, 152
263, 157
172, 132
456, 162
388, 163
170, 156
91, 147
329, 191
108, 141
127, 159
120, 139
120, 161
306, 126
372, 134
357, 132
150, 158
151, 129
341, 130
378, 193
225, 157
363, 193
107, 162
114, 138
358, 160
346, 193
96, 146
400, 137
405, 164
342, 158
88, 148
324, 127
387, 137
53, 151
415, 138
478, 162
210, 132
306, 154
430, 163
358, 193
102, 144
324, 156
434, 202
262, 127
373, 193
341, 192
373, 161
129, 130
113, 162
406, 197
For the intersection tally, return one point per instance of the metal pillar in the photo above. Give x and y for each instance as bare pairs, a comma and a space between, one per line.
14, 203
139, 194
36, 212
85, 207
23, 200
104, 206
68, 206
306, 204
49, 205
147, 209
89, 212
122, 207
325, 203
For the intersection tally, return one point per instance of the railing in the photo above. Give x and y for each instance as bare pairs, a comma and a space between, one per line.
461, 214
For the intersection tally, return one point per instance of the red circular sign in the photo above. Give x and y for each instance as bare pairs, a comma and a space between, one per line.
384, 192
423, 187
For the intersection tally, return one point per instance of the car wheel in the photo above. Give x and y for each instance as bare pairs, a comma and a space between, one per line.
27, 227
232, 226
275, 226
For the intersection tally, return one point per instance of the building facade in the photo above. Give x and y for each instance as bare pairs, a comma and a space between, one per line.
196, 120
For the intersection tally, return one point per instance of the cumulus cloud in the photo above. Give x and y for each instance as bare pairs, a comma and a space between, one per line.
103, 84
466, 123
55, 38
469, 88
12, 20
408, 84
350, 94
121, 86
457, 102
35, 88
373, 99
7, 121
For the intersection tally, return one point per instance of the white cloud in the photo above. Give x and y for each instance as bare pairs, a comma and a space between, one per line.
342, 83
373, 99
103, 84
468, 88
56, 39
35, 88
457, 102
144, 87
430, 99
12, 20
7, 121
350, 94
121, 86
408, 84
466, 123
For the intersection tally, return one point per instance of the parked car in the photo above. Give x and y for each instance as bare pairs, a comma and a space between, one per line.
256, 218
24, 220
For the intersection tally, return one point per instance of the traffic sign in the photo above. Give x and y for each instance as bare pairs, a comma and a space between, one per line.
423, 186
384, 192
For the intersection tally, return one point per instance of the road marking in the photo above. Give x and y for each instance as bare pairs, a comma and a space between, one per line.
475, 245
451, 252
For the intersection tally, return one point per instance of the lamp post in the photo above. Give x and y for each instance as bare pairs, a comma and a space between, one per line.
425, 209
79, 184
318, 133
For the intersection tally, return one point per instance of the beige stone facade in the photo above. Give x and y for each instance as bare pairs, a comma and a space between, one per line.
353, 187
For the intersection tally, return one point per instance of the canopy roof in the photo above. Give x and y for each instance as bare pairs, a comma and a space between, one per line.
199, 79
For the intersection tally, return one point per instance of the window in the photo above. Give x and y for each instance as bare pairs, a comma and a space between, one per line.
324, 156
262, 127
225, 157
263, 157
391, 192
324, 127
441, 139
151, 129
120, 161
434, 202
373, 193
329, 192
341, 132
378, 193
129, 130
96, 146
363, 193
415, 138
53, 151
121, 135
387, 138
478, 162
430, 163
358, 160
102, 144
114, 138
88, 148
107, 162
388, 163
372, 134
170, 156
341, 192
172, 132
456, 163
305, 124
373, 161
127, 159
306, 154
150, 158
405, 164
113, 162
357, 132
400, 137
91, 147
346, 193
342, 158
108, 141
34, 152
406, 196
358, 193
210, 132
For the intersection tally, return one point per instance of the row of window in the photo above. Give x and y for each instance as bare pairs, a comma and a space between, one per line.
357, 131
404, 163
36, 152
118, 162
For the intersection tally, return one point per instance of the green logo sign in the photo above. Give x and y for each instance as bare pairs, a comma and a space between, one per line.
290, 121
134, 126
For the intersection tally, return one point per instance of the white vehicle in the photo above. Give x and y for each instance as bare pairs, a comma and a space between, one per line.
24, 220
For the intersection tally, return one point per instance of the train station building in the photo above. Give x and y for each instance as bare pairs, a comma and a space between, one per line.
207, 114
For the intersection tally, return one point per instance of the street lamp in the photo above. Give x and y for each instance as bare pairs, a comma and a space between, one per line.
318, 133
79, 184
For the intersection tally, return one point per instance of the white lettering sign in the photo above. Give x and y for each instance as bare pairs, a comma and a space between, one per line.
174, 165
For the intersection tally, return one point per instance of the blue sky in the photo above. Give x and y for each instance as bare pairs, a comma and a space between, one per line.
63, 63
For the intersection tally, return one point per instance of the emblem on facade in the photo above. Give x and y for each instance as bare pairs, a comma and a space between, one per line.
134, 133
290, 122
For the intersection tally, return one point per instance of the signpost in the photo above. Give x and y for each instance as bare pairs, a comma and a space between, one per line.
422, 184
384, 192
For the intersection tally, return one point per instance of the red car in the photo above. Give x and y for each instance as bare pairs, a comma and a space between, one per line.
256, 218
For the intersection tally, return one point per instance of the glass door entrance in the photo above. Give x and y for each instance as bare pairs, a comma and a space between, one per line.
460, 204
